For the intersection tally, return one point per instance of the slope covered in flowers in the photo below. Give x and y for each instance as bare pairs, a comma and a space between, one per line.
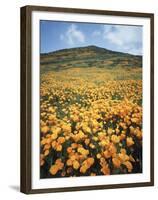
90, 122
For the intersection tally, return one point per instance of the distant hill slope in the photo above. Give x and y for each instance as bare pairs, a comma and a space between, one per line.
90, 56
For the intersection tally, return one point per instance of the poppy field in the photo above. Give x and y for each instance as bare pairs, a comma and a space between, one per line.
90, 122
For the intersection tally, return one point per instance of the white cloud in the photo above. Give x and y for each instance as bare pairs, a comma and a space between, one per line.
61, 37
113, 38
96, 33
126, 38
73, 35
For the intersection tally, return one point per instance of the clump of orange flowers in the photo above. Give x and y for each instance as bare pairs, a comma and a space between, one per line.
56, 167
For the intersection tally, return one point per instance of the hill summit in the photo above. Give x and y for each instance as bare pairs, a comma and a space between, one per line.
89, 56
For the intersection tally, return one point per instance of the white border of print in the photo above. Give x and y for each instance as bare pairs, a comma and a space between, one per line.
38, 183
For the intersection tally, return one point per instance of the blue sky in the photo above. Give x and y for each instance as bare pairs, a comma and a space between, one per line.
61, 35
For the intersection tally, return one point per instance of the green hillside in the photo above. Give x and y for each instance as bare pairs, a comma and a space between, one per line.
90, 56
